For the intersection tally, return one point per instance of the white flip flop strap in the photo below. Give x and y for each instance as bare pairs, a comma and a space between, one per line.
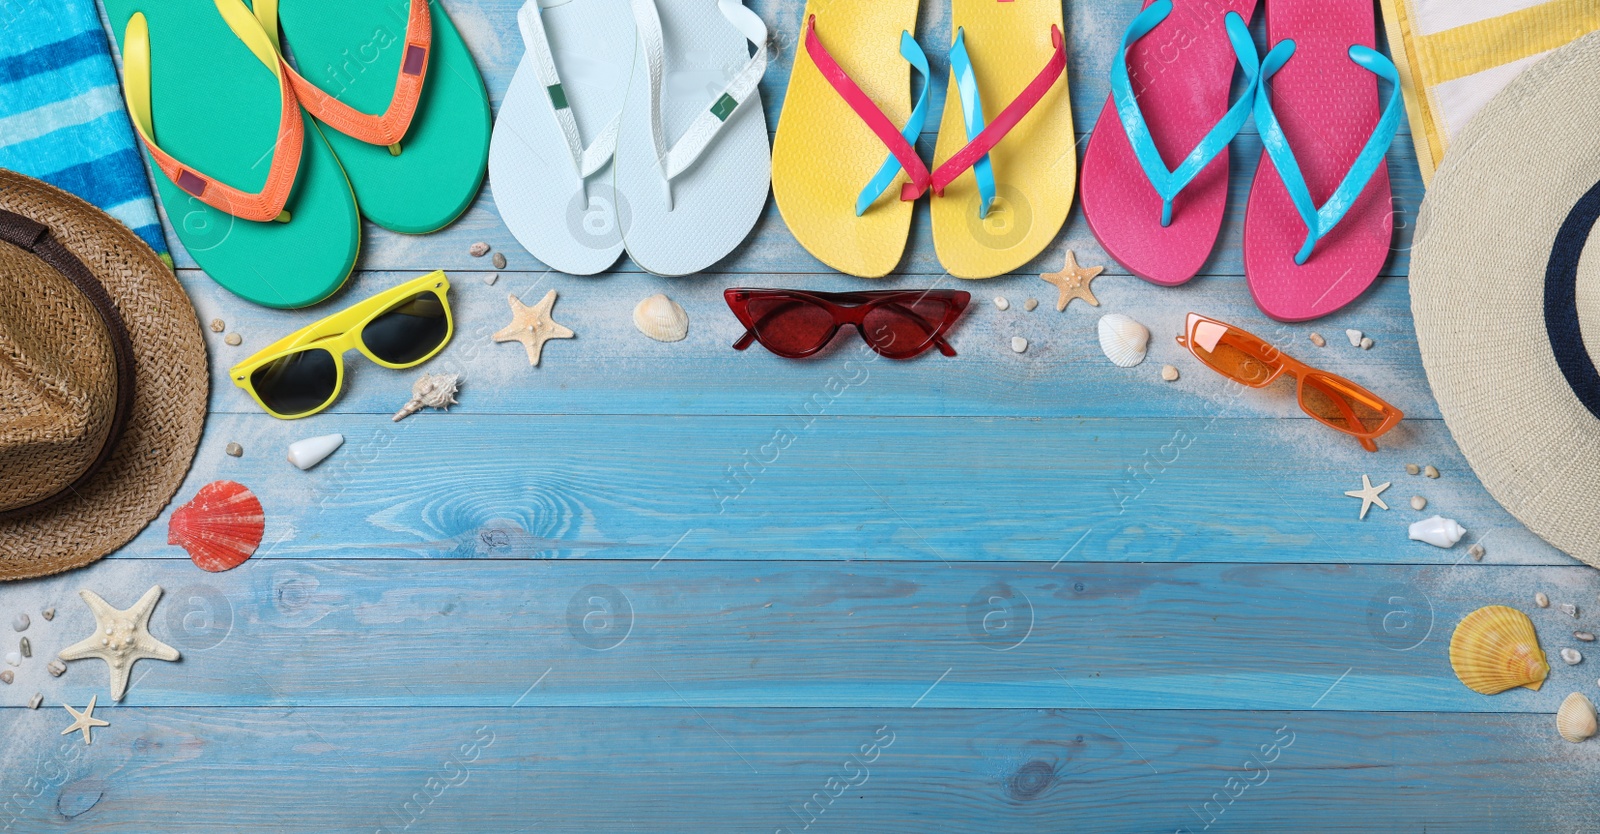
679, 156
589, 159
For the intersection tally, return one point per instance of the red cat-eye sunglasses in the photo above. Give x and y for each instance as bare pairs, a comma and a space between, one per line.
898, 324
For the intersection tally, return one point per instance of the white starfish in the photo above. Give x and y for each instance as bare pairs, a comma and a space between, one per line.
84, 720
120, 638
1369, 494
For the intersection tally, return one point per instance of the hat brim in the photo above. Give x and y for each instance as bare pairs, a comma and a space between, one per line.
172, 385
1483, 245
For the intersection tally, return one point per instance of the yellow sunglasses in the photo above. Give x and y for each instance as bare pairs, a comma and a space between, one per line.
303, 373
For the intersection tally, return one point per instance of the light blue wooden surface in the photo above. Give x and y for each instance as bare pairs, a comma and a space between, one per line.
664, 588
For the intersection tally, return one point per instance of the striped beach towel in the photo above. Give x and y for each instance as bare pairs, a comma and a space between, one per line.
62, 119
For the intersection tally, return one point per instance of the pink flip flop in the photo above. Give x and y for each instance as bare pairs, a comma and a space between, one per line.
1320, 219
1169, 102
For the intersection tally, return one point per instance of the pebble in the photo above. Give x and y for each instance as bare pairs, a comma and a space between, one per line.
234, 450
1541, 600
1316, 339
1366, 343
1572, 656
234, 340
1413, 469
56, 668
1030, 304
1570, 610
35, 701
8, 676
1584, 636
218, 325
1001, 302
491, 278
25, 647
1354, 336
20, 623
1430, 471
1169, 373
499, 261
48, 614
1476, 552
1019, 344
478, 250
1419, 503
13, 658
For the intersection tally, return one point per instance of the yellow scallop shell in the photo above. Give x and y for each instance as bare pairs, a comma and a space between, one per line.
1495, 649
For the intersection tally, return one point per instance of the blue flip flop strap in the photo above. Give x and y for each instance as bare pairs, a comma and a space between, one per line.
1320, 221
1168, 183
881, 181
972, 115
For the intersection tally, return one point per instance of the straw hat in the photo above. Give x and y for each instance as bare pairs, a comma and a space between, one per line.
1505, 289
103, 381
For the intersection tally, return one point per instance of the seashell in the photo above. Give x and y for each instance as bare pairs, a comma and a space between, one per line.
1413, 469
660, 318
1541, 600
220, 527
1419, 503
307, 453
1585, 636
1031, 304
1316, 339
478, 250
499, 261
1430, 471
430, 391
1572, 656
48, 614
13, 658
1354, 336
8, 676
1123, 340
35, 701
56, 668
1018, 344
1575, 720
1001, 302
234, 450
1438, 531
25, 647
1476, 552
1569, 609
1494, 649
1169, 373
1366, 343
218, 325
20, 623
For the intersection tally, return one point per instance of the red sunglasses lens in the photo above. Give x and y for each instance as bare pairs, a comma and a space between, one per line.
789, 326
905, 327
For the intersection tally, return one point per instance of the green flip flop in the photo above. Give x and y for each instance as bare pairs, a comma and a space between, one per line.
251, 188
407, 107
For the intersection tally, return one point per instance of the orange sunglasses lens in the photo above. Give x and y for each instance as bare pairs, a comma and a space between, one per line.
1235, 354
1342, 404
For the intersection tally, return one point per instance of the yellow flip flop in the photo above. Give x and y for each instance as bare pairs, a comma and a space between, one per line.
995, 67
827, 150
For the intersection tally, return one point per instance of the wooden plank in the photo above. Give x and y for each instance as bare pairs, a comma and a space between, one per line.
703, 771
478, 632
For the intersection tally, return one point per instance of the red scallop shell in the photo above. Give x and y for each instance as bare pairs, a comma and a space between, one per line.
220, 527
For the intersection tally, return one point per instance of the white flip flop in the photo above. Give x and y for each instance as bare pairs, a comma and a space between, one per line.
555, 193
693, 166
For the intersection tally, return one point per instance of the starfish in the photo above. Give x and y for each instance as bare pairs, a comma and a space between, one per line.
532, 326
1073, 282
84, 720
120, 638
1369, 495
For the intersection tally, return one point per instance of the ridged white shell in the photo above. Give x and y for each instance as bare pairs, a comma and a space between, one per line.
1438, 531
1123, 340
660, 318
1575, 721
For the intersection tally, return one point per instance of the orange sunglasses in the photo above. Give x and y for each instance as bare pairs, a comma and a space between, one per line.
1251, 360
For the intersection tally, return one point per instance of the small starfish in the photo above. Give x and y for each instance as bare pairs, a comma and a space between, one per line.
1369, 495
532, 326
120, 638
1073, 282
84, 720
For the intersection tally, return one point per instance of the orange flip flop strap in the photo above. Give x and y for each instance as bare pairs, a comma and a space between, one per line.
391, 126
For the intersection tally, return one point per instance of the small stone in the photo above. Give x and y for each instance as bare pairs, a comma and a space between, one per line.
234, 450
1169, 373
1572, 656
1476, 552
48, 614
1541, 600
13, 658
1430, 471
1585, 636
8, 676
1316, 339
1413, 469
56, 668
1031, 304
1354, 336
20, 623
218, 325
234, 340
1569, 609
1366, 343
491, 278
25, 647
478, 250
1001, 302
1019, 344
499, 261
35, 701
1418, 503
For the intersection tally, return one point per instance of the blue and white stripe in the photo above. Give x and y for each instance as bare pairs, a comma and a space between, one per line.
62, 118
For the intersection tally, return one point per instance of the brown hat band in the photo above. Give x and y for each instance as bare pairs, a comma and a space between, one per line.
32, 236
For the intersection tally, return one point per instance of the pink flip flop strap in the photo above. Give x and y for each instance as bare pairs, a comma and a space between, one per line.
996, 130
864, 107
389, 127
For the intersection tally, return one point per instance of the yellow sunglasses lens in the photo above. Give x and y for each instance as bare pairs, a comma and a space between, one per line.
410, 330
298, 383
